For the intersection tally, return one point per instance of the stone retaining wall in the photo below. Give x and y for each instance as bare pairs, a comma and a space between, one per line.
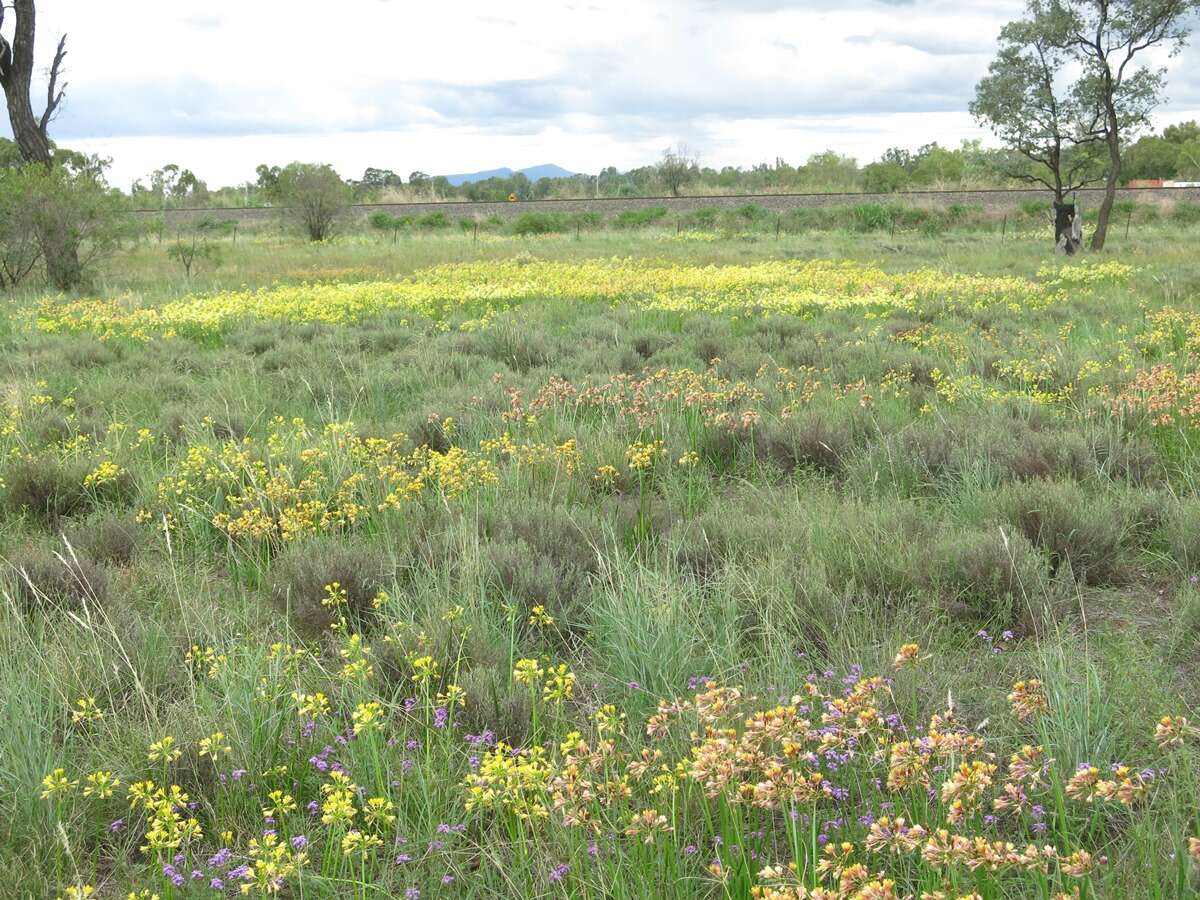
1089, 198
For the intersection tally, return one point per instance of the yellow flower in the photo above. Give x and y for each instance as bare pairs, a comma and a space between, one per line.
79, 892
56, 784
528, 671
311, 706
362, 844
164, 751
214, 744
101, 785
367, 717
539, 617
86, 710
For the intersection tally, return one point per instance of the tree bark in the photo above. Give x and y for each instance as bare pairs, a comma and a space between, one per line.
1113, 139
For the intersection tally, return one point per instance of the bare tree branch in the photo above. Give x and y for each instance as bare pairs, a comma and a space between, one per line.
54, 96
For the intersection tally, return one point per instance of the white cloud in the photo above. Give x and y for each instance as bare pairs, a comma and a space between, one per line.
457, 85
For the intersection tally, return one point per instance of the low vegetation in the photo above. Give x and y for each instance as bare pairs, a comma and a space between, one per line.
740, 562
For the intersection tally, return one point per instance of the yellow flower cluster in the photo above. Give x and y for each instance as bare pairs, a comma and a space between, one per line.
462, 291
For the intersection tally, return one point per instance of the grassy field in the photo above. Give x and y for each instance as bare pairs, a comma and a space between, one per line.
640, 564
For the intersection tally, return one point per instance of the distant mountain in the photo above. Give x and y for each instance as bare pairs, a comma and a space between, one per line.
533, 173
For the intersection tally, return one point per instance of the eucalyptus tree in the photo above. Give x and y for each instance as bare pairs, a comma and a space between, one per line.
1108, 40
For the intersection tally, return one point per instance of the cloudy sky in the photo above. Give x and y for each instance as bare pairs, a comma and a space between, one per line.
219, 86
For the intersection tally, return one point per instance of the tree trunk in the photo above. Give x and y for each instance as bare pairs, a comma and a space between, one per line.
30, 138
16, 77
1113, 139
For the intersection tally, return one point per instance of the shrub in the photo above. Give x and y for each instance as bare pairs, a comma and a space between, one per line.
113, 540
301, 573
1090, 534
542, 554
812, 439
870, 217
1186, 213
639, 218
533, 223
432, 221
314, 197
1036, 208
987, 574
45, 581
46, 489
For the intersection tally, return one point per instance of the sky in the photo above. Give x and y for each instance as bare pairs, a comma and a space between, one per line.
219, 86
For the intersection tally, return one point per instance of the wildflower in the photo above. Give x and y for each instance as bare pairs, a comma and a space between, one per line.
539, 617
1027, 699
1194, 848
425, 668
213, 745
164, 751
527, 671
355, 842
367, 717
79, 892
907, 655
646, 824
1172, 731
56, 784
378, 812
101, 785
279, 805
1081, 864
86, 710
311, 706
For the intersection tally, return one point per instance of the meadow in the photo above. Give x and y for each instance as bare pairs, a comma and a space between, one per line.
650, 562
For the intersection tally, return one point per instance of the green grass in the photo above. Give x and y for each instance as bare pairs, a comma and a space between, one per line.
828, 487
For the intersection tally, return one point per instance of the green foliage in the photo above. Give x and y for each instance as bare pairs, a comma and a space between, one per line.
1185, 213
638, 218
314, 198
191, 254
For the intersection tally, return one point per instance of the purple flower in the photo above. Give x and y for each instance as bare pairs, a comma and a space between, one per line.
313, 807
239, 872
197, 874
436, 845
440, 715
412, 894
412, 744
217, 884
219, 859
690, 850
401, 859
116, 825
633, 686
238, 774
443, 828
447, 878
593, 850
299, 842
559, 872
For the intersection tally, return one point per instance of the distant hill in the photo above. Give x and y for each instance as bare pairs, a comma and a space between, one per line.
533, 173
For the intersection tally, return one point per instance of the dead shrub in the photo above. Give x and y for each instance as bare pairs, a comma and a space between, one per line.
301, 573
543, 554
812, 439
985, 574
1091, 534
112, 539
45, 581
46, 489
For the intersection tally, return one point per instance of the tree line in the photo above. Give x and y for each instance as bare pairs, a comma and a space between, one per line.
1068, 95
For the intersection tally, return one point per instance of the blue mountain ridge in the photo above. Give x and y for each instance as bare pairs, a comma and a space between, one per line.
533, 173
